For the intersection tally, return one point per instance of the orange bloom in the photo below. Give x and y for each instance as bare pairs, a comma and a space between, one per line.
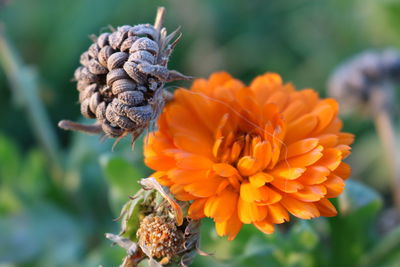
250, 154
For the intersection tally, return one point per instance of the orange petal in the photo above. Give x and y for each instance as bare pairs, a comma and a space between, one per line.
262, 154
262, 195
279, 98
225, 170
205, 187
305, 159
182, 121
325, 111
326, 208
193, 144
229, 228
346, 138
180, 176
287, 186
219, 78
249, 212
247, 166
343, 170
180, 194
259, 179
310, 193
221, 207
277, 213
300, 147
262, 86
192, 162
264, 226
196, 209
328, 140
300, 128
293, 110
345, 149
331, 158
162, 178
334, 185
287, 173
300, 209
314, 175
160, 163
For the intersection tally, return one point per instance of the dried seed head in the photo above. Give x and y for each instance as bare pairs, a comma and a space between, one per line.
125, 67
153, 226
365, 81
160, 237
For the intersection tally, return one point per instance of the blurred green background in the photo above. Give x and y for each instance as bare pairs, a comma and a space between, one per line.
60, 191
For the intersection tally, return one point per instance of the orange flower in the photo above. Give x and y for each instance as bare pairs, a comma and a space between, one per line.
250, 154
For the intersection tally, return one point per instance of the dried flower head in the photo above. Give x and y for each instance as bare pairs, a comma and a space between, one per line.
153, 227
160, 236
121, 79
365, 81
250, 154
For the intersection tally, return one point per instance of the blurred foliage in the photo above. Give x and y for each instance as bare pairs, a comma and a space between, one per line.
50, 218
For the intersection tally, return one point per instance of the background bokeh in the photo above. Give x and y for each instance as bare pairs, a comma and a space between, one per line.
60, 191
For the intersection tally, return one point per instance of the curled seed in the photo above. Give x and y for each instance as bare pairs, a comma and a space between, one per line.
95, 67
144, 29
102, 40
78, 73
140, 115
131, 98
87, 76
110, 130
144, 44
116, 74
125, 123
118, 107
105, 91
116, 38
116, 60
84, 59
87, 92
85, 109
123, 85
127, 43
133, 72
153, 84
101, 111
93, 50
142, 88
161, 72
142, 55
94, 102
124, 29
111, 116
104, 54
81, 85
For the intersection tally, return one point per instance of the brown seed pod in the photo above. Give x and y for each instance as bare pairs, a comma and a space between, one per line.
160, 236
121, 79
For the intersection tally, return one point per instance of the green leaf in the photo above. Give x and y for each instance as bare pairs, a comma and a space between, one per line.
9, 161
122, 178
41, 233
386, 251
302, 237
357, 197
352, 231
